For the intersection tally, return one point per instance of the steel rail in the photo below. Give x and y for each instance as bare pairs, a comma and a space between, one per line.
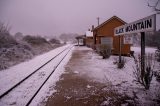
48, 77
20, 82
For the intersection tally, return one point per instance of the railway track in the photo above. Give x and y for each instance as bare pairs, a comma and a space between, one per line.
35, 76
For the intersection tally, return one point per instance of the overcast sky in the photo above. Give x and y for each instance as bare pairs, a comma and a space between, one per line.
53, 17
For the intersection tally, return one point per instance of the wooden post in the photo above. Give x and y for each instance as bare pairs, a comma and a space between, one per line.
95, 37
120, 49
142, 55
78, 42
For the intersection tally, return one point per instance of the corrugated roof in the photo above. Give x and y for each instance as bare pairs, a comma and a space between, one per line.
108, 21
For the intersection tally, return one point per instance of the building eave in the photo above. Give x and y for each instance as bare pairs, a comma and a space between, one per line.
109, 21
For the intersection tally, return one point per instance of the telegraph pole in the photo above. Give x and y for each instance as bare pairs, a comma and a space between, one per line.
98, 20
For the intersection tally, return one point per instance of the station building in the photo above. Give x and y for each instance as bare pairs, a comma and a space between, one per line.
81, 40
89, 39
104, 34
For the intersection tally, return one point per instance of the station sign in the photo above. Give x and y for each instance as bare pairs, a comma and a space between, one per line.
142, 25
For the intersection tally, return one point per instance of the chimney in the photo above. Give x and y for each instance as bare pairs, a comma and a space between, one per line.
92, 28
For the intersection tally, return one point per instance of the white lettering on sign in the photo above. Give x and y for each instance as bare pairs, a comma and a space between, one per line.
142, 25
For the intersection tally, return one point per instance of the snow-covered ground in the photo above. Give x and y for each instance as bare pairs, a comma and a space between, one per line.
123, 79
96, 68
14, 74
92, 66
147, 49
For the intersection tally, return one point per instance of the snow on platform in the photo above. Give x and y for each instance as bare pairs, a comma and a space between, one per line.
123, 80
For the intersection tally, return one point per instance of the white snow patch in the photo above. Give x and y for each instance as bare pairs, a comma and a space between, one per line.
88, 86
105, 103
76, 72
68, 97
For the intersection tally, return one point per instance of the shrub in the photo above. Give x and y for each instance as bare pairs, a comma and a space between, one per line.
157, 75
13, 55
157, 54
3, 64
144, 79
35, 40
6, 40
54, 41
104, 51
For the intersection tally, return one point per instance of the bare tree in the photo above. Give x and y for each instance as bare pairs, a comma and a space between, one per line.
155, 6
4, 28
146, 78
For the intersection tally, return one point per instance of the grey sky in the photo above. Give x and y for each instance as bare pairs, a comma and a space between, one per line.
53, 17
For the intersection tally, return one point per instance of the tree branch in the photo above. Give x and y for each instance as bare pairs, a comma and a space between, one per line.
155, 6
